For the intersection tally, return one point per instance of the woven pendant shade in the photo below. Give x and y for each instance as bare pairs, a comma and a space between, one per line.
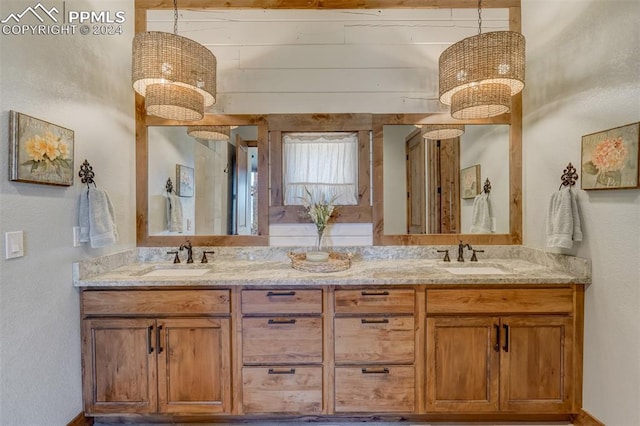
494, 57
170, 59
211, 133
484, 100
442, 131
174, 102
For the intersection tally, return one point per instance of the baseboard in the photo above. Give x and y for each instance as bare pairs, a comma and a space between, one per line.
586, 419
81, 420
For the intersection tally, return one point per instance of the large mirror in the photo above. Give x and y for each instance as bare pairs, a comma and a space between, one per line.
202, 185
440, 186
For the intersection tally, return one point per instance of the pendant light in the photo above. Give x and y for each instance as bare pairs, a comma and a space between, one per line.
478, 75
210, 133
176, 75
442, 131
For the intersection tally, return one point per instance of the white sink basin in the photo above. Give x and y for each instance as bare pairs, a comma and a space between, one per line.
476, 270
178, 272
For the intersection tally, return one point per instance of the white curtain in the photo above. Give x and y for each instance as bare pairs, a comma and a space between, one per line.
325, 163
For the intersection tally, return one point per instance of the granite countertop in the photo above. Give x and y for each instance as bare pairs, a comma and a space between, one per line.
363, 271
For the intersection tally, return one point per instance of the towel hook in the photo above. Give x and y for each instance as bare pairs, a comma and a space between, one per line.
86, 174
169, 186
569, 176
487, 187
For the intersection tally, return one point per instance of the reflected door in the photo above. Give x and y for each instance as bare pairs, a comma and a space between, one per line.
243, 217
416, 185
443, 183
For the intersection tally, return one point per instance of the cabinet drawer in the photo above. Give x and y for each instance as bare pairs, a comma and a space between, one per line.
373, 301
281, 301
375, 339
282, 340
489, 301
155, 302
282, 389
381, 389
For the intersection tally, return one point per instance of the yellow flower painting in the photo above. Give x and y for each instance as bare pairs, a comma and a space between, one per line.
40, 152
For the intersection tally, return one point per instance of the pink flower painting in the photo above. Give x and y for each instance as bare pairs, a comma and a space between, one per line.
611, 157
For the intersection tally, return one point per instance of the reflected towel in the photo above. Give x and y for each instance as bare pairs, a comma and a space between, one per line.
563, 219
174, 213
96, 218
481, 215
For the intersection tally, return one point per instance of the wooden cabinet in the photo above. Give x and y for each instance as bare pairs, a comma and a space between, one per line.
374, 351
155, 364
508, 362
282, 351
419, 352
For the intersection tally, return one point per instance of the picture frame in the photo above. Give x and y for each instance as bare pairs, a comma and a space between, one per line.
609, 159
470, 181
184, 181
39, 151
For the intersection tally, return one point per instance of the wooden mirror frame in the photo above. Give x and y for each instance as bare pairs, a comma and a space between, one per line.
143, 120
515, 182
142, 182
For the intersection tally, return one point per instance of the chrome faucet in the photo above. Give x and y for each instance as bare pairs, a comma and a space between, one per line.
461, 247
189, 248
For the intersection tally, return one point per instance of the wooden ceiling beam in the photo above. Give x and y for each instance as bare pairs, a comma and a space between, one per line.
325, 4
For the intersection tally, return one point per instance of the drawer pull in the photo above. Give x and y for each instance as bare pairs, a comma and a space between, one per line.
375, 371
375, 321
374, 293
282, 321
281, 293
289, 371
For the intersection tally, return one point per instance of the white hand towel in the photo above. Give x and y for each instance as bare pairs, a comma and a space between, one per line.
174, 213
481, 215
563, 219
83, 216
102, 224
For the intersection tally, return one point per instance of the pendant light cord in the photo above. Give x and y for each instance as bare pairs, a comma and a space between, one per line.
479, 17
175, 17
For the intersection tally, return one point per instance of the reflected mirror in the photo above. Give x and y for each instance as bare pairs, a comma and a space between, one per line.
213, 182
425, 192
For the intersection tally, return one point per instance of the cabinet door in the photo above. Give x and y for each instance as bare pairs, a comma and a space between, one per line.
194, 371
119, 366
462, 364
536, 369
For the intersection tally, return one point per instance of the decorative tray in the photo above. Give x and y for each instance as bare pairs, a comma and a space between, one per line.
337, 262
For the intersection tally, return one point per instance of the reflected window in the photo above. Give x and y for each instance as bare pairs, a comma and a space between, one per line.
325, 164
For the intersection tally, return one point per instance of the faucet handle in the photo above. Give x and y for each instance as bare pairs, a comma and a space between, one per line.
446, 255
176, 259
204, 256
474, 258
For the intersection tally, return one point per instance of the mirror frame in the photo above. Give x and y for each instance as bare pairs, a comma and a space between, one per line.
379, 238
142, 183
515, 183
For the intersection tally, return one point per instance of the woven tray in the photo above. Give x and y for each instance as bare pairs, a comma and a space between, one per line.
337, 262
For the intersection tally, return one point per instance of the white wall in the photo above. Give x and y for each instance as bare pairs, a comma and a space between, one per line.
81, 83
583, 76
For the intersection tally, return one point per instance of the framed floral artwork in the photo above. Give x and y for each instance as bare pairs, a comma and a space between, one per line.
39, 152
184, 178
610, 158
470, 181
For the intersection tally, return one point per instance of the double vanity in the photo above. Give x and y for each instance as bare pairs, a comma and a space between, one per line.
399, 335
